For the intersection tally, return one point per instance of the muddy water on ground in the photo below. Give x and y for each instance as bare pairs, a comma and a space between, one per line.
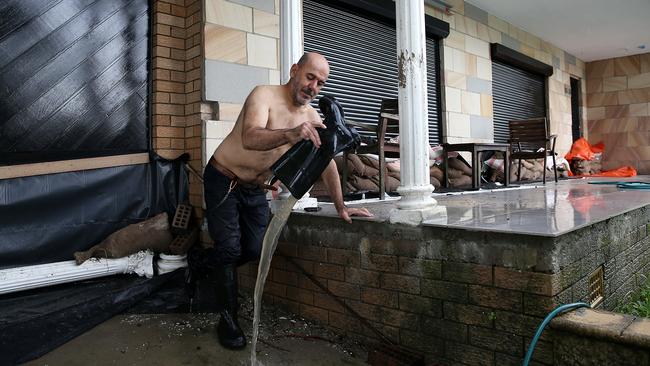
268, 248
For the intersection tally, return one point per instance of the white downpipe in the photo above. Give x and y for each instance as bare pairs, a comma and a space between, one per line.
30, 277
169, 263
415, 185
291, 42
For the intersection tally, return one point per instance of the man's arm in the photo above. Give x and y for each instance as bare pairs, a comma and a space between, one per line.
255, 135
332, 182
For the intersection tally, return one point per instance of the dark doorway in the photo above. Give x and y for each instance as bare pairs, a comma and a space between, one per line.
575, 109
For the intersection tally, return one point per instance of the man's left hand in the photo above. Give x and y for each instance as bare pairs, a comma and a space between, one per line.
347, 212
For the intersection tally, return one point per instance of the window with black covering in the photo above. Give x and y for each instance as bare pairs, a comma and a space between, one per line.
362, 51
518, 88
74, 78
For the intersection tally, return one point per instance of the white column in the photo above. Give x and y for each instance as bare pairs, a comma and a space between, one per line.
415, 186
291, 49
41, 275
291, 45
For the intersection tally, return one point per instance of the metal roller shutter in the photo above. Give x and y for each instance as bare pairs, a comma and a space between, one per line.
362, 53
517, 94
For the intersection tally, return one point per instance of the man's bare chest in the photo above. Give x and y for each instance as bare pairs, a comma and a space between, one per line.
283, 119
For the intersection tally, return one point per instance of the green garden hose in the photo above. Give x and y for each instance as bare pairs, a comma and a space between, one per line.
549, 317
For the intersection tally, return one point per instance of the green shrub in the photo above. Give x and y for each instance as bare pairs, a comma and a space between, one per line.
638, 304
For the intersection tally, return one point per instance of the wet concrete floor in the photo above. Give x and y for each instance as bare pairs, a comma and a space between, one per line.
190, 339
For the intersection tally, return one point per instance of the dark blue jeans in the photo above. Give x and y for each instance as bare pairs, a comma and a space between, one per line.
237, 226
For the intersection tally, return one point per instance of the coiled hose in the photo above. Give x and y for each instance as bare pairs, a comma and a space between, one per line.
549, 317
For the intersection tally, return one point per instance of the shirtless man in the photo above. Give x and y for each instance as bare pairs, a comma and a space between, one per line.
272, 120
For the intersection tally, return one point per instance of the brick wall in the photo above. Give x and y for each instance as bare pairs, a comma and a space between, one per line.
176, 66
618, 99
459, 296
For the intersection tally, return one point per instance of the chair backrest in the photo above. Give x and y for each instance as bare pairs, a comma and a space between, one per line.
388, 127
528, 134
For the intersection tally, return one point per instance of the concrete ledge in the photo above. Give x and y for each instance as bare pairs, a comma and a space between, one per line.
605, 325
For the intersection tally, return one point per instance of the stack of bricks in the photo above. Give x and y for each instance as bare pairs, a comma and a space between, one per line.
456, 296
176, 64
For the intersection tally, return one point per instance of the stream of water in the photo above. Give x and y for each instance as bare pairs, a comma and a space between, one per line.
268, 248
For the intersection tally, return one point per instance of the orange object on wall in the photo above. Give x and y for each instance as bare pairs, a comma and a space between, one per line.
624, 171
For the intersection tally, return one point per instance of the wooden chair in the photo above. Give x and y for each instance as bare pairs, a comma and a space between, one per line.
529, 139
387, 127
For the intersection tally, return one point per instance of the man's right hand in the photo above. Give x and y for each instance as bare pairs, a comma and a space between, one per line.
306, 131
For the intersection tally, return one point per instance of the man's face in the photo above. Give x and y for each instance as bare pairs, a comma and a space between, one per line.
307, 80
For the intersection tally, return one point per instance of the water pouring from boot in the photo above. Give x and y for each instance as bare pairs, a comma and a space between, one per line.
298, 169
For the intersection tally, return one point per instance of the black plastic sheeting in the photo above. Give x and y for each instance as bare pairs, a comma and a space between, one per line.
35, 322
74, 78
47, 218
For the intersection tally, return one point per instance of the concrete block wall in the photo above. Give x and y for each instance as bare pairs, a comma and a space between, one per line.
618, 100
607, 338
467, 69
177, 79
241, 51
457, 296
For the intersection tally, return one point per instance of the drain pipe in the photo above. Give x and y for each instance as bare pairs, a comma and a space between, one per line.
30, 277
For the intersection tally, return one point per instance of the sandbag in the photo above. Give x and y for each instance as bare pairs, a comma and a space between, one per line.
151, 234
363, 184
396, 175
459, 165
393, 166
435, 182
461, 181
454, 173
436, 172
391, 184
370, 161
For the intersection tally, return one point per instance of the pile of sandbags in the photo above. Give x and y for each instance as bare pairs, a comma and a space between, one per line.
587, 167
585, 159
531, 169
363, 174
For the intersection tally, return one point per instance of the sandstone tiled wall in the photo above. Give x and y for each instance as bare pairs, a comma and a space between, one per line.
618, 101
468, 74
242, 37
176, 63
241, 51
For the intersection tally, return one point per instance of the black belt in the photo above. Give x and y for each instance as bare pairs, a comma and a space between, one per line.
230, 175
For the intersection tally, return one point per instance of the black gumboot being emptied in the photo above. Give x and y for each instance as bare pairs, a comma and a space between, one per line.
299, 168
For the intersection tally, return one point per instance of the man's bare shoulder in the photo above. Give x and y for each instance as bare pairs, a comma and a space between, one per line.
314, 113
265, 92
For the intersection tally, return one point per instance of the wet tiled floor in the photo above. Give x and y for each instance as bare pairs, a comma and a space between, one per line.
534, 209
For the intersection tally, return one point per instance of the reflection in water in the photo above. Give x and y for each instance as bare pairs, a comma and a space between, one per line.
539, 210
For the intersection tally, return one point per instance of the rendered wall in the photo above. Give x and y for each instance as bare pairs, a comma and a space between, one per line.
618, 100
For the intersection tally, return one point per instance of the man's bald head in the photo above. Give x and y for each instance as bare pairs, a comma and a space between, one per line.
307, 77
313, 58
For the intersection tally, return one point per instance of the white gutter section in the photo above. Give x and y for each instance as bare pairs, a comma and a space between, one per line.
30, 277
291, 42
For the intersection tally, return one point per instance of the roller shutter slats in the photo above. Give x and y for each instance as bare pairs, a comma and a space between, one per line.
517, 94
363, 63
